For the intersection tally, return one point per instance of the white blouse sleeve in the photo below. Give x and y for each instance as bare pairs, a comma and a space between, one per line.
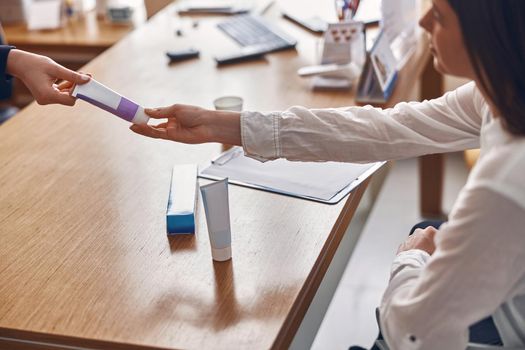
363, 134
479, 261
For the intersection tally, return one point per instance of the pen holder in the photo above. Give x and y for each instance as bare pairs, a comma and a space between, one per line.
344, 42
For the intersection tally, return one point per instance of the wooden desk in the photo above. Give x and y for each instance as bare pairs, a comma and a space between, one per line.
79, 41
85, 260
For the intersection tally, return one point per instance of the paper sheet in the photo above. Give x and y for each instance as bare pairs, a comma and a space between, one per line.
369, 11
317, 180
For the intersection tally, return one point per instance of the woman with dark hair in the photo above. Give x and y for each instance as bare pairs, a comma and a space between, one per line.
444, 280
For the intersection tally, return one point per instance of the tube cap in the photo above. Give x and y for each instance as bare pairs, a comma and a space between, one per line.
222, 254
140, 117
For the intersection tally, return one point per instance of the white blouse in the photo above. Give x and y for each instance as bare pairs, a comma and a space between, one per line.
478, 268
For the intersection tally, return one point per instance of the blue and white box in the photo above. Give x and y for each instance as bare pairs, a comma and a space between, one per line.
180, 216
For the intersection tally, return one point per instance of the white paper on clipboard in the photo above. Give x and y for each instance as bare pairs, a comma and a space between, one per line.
326, 182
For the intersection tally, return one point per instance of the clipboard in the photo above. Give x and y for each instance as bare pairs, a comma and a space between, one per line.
247, 172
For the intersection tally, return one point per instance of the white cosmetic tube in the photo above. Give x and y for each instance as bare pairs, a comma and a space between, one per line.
103, 97
216, 207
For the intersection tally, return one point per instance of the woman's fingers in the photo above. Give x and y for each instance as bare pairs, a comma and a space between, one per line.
156, 132
163, 125
169, 112
158, 113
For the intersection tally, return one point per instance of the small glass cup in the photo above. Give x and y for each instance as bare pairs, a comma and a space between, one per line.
228, 103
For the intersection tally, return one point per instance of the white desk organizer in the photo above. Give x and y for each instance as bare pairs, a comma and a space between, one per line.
342, 58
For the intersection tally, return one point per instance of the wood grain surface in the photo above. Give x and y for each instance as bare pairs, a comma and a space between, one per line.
80, 31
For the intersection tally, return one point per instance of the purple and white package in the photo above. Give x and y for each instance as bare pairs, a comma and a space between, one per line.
103, 97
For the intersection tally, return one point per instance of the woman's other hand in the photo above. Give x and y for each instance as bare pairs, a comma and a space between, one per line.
422, 239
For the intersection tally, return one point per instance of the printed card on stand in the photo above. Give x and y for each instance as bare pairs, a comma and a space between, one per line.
379, 74
344, 42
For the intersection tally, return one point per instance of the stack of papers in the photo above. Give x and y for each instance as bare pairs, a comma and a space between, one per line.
369, 11
326, 182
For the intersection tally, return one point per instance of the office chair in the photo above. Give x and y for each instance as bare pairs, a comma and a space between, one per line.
6, 111
381, 344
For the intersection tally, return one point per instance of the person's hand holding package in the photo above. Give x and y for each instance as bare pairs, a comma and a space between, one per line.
190, 124
40, 74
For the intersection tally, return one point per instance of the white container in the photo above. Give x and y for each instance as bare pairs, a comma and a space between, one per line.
216, 207
44, 15
83, 6
103, 97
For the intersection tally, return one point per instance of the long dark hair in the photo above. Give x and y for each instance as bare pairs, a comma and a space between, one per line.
494, 35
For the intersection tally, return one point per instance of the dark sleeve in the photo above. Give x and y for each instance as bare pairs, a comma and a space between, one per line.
5, 79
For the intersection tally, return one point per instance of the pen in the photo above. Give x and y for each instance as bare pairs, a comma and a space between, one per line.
353, 6
227, 156
264, 7
341, 7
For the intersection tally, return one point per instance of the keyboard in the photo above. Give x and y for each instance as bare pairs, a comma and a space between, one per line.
252, 31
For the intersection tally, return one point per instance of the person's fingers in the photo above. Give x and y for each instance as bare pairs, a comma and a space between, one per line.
69, 75
68, 86
64, 85
162, 125
63, 98
431, 232
417, 230
150, 131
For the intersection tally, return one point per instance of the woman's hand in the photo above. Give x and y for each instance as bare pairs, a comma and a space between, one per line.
190, 124
40, 74
422, 239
